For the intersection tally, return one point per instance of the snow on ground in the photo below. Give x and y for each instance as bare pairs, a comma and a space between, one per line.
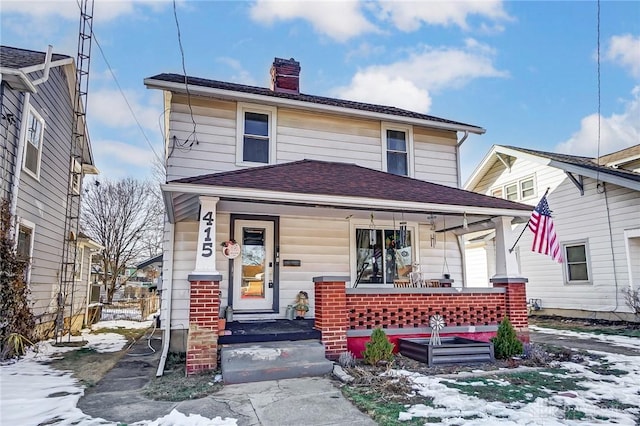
33, 393
623, 341
607, 398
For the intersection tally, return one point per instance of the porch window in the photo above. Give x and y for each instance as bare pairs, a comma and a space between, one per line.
383, 255
255, 134
577, 263
33, 143
398, 142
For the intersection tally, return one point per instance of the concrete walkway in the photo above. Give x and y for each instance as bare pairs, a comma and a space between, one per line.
312, 401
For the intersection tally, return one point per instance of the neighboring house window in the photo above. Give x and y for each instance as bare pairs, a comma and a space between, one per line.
256, 134
76, 181
24, 247
577, 263
79, 263
382, 256
511, 192
519, 190
34, 135
398, 142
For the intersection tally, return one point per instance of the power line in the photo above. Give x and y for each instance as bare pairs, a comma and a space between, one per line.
115, 79
186, 83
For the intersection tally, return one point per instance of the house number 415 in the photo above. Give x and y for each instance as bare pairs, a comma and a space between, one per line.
207, 245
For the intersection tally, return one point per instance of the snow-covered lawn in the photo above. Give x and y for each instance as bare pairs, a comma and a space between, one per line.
32, 393
603, 389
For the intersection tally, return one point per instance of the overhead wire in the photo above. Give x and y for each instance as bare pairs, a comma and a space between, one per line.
126, 100
186, 86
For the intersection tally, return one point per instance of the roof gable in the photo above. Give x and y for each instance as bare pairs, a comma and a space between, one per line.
586, 166
347, 180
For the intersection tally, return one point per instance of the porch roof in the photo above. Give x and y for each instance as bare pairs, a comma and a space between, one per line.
332, 184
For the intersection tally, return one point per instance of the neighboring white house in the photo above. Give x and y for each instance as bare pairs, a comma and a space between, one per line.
596, 212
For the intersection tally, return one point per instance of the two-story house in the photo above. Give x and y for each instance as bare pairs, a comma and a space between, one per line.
595, 205
271, 192
37, 102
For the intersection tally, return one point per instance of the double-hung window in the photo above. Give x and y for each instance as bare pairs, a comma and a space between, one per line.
24, 248
398, 142
256, 134
519, 190
576, 266
34, 135
383, 255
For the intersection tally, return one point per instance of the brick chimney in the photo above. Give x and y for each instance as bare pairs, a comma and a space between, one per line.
285, 76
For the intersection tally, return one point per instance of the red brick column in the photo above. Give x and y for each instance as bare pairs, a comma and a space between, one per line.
331, 314
516, 303
204, 310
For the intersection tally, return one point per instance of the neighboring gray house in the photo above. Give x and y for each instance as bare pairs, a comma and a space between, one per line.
37, 105
596, 212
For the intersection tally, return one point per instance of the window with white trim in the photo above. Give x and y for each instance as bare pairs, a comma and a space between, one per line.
576, 265
519, 190
24, 247
79, 262
398, 141
256, 134
383, 255
34, 136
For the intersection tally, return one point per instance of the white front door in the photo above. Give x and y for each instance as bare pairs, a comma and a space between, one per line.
253, 269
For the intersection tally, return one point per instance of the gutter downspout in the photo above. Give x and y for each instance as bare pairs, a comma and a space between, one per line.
17, 166
166, 298
460, 142
15, 184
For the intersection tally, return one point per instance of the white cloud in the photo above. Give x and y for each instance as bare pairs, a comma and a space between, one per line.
410, 15
339, 20
408, 83
110, 108
117, 159
240, 74
617, 132
383, 89
624, 50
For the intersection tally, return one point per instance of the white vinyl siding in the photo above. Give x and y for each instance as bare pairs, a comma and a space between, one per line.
298, 135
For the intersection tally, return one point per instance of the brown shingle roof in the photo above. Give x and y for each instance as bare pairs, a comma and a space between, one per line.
13, 57
321, 100
349, 180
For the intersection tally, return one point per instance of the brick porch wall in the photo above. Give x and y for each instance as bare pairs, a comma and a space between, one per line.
331, 314
202, 342
516, 303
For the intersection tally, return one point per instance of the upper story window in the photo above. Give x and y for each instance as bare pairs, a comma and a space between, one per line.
398, 141
76, 181
256, 134
519, 190
34, 135
576, 266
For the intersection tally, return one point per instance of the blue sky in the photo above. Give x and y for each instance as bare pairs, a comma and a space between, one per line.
525, 71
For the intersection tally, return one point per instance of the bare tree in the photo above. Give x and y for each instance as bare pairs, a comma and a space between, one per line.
123, 216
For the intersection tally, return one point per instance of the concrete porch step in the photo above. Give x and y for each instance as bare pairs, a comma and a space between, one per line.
256, 362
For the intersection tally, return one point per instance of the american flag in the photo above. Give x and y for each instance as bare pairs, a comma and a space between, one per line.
545, 239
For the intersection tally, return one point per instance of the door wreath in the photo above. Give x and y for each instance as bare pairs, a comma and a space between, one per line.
230, 249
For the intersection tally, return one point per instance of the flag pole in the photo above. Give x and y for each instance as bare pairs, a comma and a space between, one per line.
526, 226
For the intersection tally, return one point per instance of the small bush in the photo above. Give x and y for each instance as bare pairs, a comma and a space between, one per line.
378, 349
506, 343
